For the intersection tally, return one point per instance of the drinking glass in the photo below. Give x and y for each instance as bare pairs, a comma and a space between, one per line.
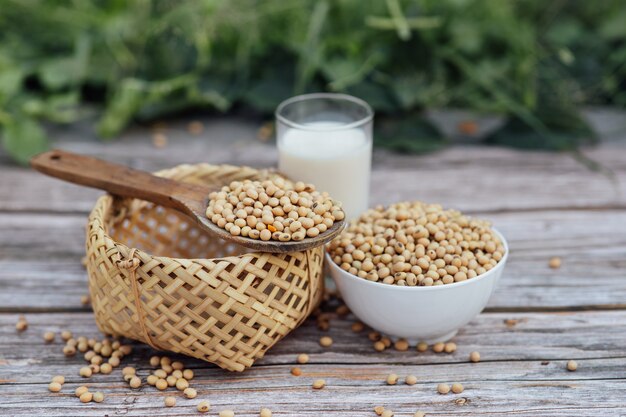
326, 139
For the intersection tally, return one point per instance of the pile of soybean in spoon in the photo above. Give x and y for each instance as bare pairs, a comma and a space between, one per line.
273, 210
413, 243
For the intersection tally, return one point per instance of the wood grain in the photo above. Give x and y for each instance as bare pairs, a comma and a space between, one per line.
545, 204
592, 245
581, 335
468, 178
501, 179
561, 398
522, 371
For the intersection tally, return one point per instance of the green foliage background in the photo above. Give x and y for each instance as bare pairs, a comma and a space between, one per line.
535, 61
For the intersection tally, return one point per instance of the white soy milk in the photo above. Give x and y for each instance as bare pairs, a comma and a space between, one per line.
336, 161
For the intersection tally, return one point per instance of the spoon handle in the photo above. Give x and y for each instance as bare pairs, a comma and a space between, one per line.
119, 180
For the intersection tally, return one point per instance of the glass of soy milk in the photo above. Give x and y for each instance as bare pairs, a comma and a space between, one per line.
326, 139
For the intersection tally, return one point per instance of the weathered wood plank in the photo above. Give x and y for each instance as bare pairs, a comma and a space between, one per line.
468, 178
40, 260
40, 270
42, 284
501, 179
510, 379
481, 398
534, 337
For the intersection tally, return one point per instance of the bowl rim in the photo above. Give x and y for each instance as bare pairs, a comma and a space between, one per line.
487, 274
329, 96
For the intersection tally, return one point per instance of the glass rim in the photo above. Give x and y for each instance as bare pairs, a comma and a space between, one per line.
333, 96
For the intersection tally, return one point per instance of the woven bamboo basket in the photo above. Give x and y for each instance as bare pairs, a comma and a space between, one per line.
155, 277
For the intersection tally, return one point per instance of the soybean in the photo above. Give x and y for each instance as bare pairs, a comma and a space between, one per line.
411, 380
282, 211
54, 387
443, 388
392, 379
295, 371
402, 345
319, 384
135, 382
21, 324
572, 366
326, 341
190, 393
555, 262
203, 406
417, 244
81, 390
86, 397
59, 378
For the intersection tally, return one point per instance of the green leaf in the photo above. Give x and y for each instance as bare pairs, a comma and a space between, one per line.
518, 134
343, 73
62, 108
559, 125
555, 123
614, 27
408, 133
338, 68
126, 101
564, 32
466, 36
57, 108
23, 138
10, 83
310, 53
416, 23
215, 91
267, 93
375, 94
416, 90
58, 73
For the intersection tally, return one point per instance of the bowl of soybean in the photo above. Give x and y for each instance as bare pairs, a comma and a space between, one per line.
428, 314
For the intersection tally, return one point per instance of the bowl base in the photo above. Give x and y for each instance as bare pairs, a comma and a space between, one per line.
430, 340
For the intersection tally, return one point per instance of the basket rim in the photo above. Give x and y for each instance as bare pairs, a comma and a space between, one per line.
109, 199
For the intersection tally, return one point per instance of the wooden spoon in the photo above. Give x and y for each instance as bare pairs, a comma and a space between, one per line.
189, 199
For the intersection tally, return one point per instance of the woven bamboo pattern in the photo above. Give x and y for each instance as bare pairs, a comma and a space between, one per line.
155, 277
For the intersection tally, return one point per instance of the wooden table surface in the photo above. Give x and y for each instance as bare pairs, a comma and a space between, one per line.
545, 204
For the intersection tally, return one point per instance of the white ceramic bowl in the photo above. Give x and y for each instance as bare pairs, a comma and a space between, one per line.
418, 314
